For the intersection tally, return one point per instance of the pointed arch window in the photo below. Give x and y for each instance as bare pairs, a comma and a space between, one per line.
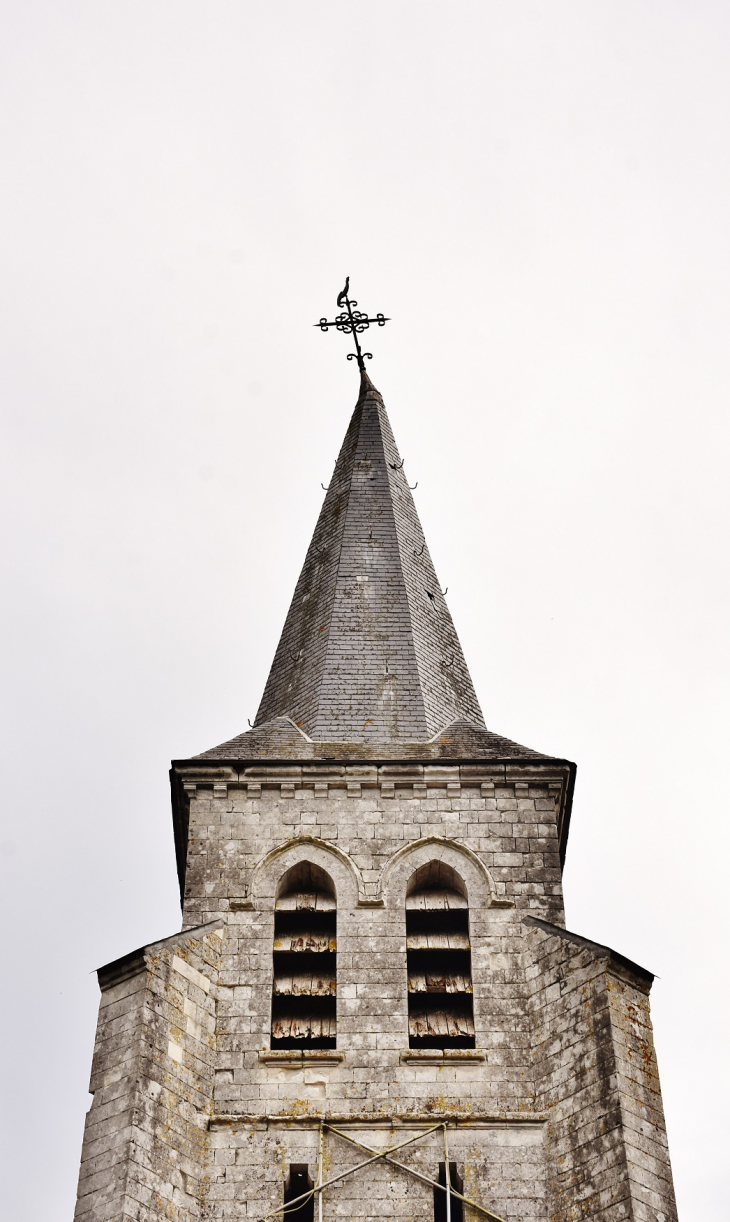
440, 995
304, 1002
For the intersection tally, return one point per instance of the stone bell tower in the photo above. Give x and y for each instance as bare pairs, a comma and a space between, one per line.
374, 1008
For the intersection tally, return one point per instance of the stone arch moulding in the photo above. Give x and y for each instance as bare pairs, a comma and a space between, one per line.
480, 886
342, 870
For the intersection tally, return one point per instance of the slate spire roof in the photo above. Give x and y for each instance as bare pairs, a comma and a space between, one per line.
369, 655
369, 650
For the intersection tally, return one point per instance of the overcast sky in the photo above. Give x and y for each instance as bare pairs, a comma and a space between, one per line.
538, 195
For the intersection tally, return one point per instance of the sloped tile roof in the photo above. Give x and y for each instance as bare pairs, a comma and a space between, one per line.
281, 739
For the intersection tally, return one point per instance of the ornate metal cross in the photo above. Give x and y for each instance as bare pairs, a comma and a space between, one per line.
354, 322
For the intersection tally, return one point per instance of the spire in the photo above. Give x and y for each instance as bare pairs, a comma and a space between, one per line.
369, 652
369, 664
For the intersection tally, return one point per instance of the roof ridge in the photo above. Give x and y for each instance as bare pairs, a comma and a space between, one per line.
298, 728
453, 722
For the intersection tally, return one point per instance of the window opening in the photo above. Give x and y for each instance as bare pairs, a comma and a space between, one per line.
438, 952
304, 1004
439, 1197
297, 1182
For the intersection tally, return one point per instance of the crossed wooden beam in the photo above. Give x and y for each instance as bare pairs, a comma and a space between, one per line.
387, 1156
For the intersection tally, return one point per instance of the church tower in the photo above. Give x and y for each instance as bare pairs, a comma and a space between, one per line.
374, 1008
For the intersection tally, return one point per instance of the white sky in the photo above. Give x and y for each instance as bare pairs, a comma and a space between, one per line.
538, 195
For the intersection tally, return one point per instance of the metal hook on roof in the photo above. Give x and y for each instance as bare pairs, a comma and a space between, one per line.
322, 486
295, 659
413, 489
248, 719
423, 548
444, 592
397, 466
451, 663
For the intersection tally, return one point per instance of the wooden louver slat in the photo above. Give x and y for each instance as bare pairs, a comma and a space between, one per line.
304, 1026
440, 1024
438, 982
306, 901
428, 901
437, 940
305, 940
304, 984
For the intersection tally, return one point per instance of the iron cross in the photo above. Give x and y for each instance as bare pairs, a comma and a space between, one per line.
352, 322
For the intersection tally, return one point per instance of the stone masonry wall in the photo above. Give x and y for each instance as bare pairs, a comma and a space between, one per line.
596, 1078
642, 1112
502, 841
508, 816
555, 1115
145, 1142
502, 1166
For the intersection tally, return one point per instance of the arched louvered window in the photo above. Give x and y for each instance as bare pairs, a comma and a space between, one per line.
304, 1004
440, 1001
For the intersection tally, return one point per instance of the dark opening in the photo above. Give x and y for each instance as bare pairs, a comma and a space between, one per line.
439, 1197
298, 1182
